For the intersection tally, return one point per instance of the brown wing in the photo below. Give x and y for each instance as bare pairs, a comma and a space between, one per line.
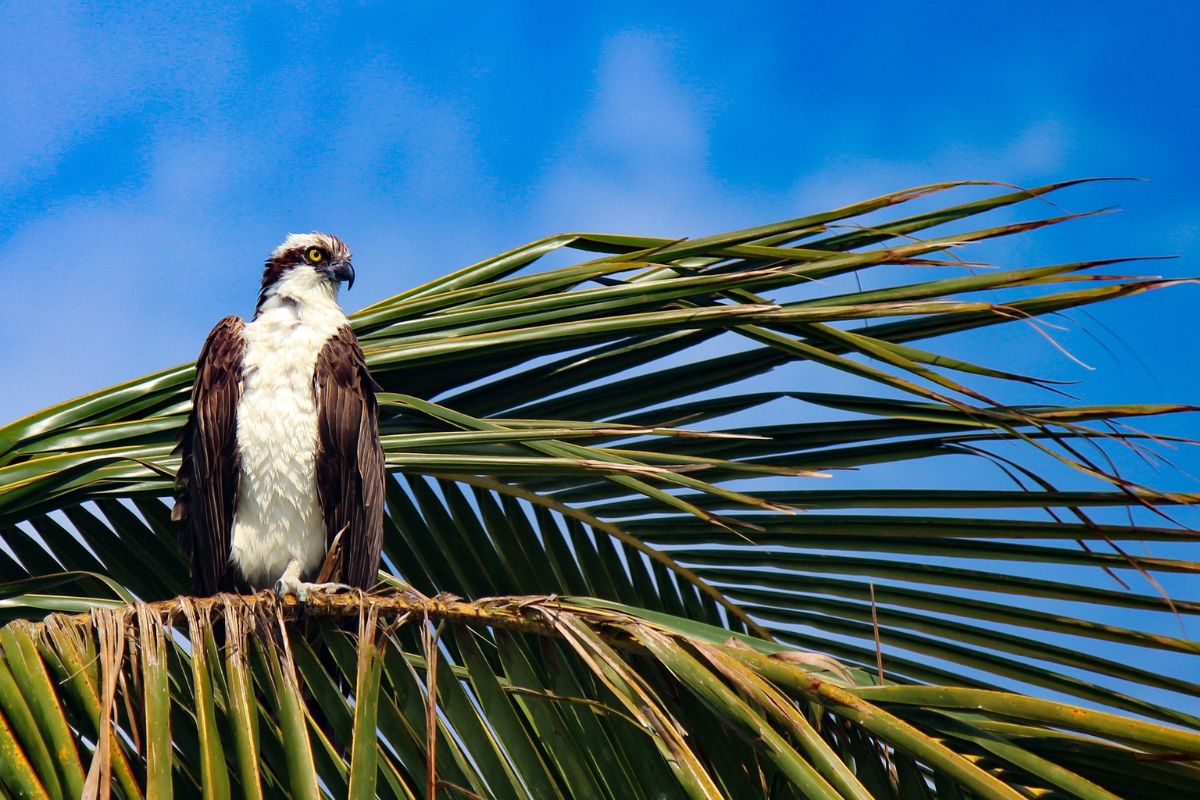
207, 483
350, 469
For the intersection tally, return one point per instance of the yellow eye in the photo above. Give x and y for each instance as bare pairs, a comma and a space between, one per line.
315, 255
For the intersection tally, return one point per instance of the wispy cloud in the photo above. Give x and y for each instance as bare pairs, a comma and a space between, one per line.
1034, 152
71, 71
637, 160
116, 283
152, 156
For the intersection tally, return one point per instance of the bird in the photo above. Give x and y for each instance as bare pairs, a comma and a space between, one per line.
281, 478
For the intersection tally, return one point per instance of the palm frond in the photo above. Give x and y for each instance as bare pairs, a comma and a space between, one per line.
610, 430
528, 696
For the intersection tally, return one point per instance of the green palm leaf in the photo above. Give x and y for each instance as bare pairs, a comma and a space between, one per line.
742, 620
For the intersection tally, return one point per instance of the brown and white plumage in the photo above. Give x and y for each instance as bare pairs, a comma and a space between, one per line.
351, 499
281, 452
207, 483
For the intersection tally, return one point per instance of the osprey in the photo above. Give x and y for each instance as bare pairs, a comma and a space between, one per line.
281, 453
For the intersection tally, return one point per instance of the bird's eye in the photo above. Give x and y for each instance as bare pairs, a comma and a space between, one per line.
315, 255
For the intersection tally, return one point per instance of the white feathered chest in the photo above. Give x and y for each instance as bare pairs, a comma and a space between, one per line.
278, 515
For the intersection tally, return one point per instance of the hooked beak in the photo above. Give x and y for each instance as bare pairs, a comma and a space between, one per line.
341, 271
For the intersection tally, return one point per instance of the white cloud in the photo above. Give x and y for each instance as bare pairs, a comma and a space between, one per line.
119, 283
641, 110
637, 162
103, 294
71, 69
1042, 148
1038, 151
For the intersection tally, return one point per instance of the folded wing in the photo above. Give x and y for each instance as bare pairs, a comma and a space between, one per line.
207, 482
350, 466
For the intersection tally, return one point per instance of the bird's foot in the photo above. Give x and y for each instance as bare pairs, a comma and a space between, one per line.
290, 584
329, 587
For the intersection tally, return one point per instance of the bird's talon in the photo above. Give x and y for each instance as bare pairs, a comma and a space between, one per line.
288, 585
301, 589
329, 588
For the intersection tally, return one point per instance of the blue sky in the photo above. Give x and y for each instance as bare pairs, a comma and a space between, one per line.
151, 157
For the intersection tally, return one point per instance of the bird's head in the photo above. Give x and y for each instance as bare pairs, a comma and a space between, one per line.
308, 261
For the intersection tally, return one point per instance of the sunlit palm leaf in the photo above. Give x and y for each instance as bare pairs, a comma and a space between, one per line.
580, 431
537, 696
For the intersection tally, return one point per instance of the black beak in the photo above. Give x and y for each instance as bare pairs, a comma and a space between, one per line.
342, 271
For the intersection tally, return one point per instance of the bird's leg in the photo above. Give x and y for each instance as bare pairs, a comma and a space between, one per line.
290, 583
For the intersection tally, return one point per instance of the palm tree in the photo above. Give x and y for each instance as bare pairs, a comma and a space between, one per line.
620, 563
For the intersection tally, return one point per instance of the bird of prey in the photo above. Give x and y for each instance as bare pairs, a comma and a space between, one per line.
281, 458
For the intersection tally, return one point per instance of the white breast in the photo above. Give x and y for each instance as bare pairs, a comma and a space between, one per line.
278, 515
